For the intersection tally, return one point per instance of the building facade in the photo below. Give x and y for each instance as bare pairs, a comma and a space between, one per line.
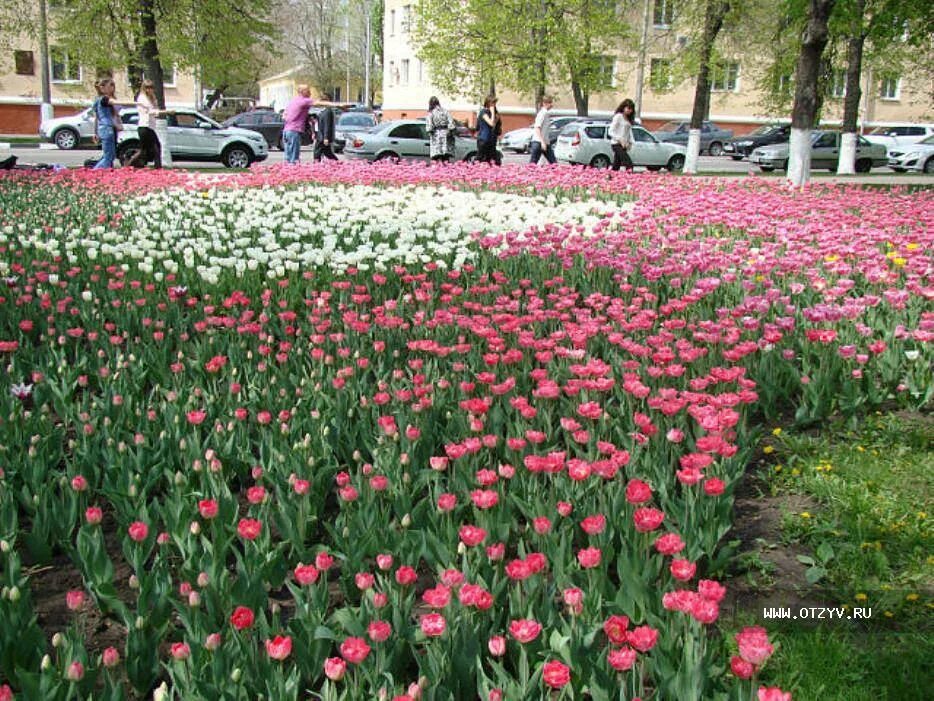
72, 86
735, 101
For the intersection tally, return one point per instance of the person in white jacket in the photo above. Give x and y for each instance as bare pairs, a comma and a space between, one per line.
621, 134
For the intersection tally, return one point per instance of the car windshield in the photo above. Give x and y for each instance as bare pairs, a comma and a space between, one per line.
356, 120
880, 131
929, 141
671, 126
761, 131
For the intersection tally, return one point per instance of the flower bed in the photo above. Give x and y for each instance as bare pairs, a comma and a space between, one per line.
352, 430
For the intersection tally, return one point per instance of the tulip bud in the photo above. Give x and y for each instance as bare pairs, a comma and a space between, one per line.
195, 528
133, 582
406, 521
57, 640
4, 547
161, 693
46, 663
235, 675
14, 594
140, 623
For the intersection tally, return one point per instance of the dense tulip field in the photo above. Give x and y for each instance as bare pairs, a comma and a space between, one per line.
397, 432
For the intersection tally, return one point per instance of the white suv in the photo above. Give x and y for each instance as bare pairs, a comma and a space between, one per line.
69, 132
900, 136
194, 137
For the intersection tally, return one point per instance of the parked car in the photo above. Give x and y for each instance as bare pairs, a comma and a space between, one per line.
70, 132
919, 156
520, 140
712, 136
739, 147
825, 153
402, 139
194, 137
349, 123
900, 136
587, 143
266, 122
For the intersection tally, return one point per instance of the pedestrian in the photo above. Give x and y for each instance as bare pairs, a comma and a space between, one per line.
296, 115
324, 140
541, 133
621, 134
440, 132
489, 129
149, 147
106, 122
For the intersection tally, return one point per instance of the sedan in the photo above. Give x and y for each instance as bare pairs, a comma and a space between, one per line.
520, 140
712, 136
587, 143
402, 139
918, 157
350, 123
825, 153
739, 147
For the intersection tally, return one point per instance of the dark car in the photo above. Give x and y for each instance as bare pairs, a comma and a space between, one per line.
267, 122
712, 137
739, 147
351, 123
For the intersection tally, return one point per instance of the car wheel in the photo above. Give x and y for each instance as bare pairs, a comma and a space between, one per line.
237, 156
676, 162
126, 151
715, 149
863, 165
388, 156
784, 166
766, 169
737, 158
66, 139
929, 166
471, 157
654, 169
600, 161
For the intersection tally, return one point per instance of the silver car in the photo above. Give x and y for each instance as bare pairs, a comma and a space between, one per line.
587, 143
825, 153
520, 140
69, 132
194, 137
917, 157
405, 139
712, 137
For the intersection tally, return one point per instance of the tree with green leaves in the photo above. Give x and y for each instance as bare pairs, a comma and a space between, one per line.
522, 45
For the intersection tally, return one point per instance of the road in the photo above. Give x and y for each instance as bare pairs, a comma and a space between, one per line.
29, 153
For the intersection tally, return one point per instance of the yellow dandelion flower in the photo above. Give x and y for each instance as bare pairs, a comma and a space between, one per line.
899, 261
912, 597
861, 597
768, 450
778, 468
805, 515
888, 614
777, 431
922, 515
912, 247
831, 258
795, 472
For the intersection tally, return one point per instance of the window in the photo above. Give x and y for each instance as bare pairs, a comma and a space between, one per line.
639, 134
409, 131
392, 22
660, 74
724, 77
838, 83
25, 62
826, 140
168, 77
663, 13
407, 18
606, 71
405, 71
393, 74
421, 72
595, 132
890, 87
63, 66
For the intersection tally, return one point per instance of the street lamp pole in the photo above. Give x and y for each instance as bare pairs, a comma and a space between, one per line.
640, 66
45, 111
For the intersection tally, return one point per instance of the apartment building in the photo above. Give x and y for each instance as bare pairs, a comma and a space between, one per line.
735, 101
72, 86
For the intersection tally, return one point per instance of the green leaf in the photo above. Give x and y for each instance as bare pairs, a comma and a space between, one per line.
814, 574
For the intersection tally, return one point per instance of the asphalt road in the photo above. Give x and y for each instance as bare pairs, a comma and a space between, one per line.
723, 165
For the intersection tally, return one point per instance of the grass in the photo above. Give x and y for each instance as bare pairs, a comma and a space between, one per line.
869, 536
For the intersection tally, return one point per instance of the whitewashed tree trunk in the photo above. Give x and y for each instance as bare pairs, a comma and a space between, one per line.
690, 162
847, 163
799, 157
162, 131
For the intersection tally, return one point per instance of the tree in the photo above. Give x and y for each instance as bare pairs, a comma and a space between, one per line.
520, 44
807, 95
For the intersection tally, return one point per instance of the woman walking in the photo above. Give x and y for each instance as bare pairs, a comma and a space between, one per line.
149, 147
440, 132
489, 127
621, 134
106, 122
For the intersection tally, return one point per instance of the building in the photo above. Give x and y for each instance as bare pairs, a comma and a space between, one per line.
276, 90
735, 101
72, 86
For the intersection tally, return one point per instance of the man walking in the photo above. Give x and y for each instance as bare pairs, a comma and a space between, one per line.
296, 114
324, 144
541, 133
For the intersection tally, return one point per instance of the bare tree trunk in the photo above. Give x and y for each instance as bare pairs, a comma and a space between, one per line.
714, 14
149, 49
807, 99
854, 94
